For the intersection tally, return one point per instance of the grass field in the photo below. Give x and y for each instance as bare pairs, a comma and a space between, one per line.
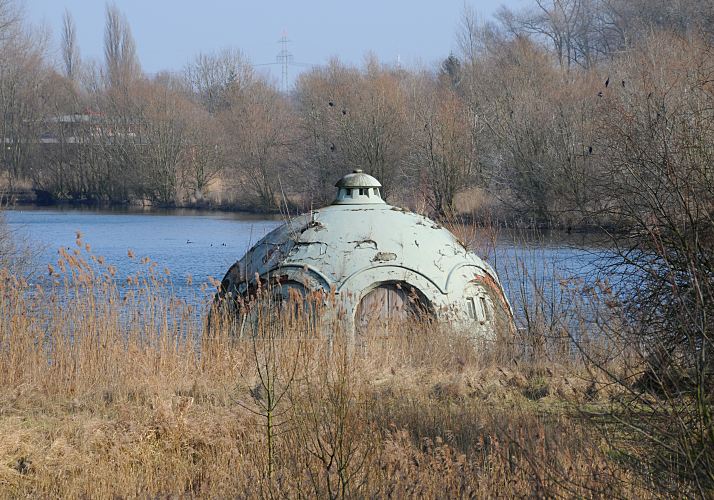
109, 391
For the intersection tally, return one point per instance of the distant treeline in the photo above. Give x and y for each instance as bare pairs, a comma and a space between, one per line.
545, 115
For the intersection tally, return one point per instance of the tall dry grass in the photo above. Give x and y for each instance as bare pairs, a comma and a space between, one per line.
111, 390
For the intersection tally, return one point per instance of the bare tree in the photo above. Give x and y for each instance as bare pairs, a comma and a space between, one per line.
352, 118
22, 86
9, 19
69, 47
477, 37
120, 57
372, 125
259, 134
573, 28
205, 157
162, 139
58, 170
444, 148
322, 94
211, 77
635, 19
657, 136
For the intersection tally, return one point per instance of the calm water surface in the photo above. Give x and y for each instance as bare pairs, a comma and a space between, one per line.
205, 244
189, 243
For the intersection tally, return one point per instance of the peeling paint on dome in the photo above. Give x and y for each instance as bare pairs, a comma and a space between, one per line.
378, 259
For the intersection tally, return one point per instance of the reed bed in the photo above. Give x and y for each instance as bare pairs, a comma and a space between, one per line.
115, 390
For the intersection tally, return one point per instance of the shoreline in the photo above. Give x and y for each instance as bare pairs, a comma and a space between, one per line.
510, 223
35, 198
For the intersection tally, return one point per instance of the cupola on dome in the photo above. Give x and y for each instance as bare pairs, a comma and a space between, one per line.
358, 188
382, 262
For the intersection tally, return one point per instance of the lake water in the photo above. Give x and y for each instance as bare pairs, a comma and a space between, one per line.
204, 245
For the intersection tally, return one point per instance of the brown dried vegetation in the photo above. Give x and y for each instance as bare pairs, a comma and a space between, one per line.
522, 114
115, 391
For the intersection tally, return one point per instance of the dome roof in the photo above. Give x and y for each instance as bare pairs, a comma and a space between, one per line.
337, 244
357, 179
350, 248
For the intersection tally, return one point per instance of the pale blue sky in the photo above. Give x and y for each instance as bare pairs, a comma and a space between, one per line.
169, 33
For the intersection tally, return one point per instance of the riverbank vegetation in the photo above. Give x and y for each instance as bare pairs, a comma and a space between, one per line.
528, 121
596, 116
121, 388
111, 390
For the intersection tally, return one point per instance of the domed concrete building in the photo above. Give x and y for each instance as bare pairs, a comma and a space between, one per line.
381, 262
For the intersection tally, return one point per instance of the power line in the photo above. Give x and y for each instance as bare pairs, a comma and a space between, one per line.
295, 63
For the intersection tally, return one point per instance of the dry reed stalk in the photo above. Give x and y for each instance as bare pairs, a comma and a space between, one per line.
115, 391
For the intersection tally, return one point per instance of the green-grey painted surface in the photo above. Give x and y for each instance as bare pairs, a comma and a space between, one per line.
360, 242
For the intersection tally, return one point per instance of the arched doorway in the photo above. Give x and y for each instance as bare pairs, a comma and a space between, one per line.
389, 304
296, 304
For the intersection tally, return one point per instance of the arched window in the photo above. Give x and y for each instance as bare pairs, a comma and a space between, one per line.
478, 304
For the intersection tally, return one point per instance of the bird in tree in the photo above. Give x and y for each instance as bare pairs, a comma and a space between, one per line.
330, 103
